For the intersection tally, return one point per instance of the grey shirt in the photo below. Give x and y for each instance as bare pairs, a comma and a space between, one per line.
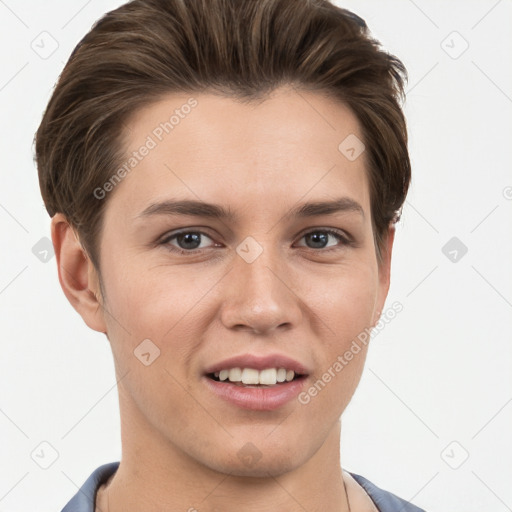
84, 499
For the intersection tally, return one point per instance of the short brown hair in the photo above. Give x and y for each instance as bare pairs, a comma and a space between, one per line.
244, 49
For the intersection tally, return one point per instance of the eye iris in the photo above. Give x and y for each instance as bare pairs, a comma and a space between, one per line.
186, 238
191, 240
318, 237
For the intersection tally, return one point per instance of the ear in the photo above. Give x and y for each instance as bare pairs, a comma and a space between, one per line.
77, 276
384, 272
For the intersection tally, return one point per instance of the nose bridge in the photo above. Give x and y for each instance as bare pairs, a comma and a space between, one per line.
259, 297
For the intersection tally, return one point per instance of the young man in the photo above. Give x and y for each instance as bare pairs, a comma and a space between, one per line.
223, 179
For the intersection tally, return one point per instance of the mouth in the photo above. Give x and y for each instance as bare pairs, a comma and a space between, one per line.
254, 378
258, 383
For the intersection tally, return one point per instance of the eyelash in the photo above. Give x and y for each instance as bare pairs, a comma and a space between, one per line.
345, 241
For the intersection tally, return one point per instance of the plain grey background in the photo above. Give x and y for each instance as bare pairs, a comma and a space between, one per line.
432, 416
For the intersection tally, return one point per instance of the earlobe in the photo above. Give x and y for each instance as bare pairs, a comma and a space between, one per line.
77, 275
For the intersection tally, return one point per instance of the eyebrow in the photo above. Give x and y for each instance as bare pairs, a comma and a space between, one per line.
216, 211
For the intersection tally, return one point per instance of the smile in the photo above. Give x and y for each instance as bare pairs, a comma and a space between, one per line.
259, 382
254, 377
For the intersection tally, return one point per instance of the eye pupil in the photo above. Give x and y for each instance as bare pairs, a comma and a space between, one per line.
189, 241
193, 238
318, 237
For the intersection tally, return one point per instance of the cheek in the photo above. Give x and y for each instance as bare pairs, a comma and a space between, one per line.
345, 311
344, 303
149, 300
162, 304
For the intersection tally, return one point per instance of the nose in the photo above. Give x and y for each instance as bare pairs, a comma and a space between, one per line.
259, 296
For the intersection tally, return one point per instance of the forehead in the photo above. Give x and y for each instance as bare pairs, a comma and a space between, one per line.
219, 149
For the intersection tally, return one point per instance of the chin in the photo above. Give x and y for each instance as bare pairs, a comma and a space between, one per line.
259, 458
263, 468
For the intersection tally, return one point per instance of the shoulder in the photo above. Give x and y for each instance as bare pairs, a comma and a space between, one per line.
385, 501
84, 499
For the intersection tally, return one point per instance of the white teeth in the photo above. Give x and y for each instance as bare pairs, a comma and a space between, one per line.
251, 376
235, 375
268, 377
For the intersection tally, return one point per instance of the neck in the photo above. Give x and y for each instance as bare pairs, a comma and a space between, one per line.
154, 474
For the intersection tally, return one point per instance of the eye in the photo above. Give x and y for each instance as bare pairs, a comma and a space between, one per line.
186, 241
319, 239
190, 242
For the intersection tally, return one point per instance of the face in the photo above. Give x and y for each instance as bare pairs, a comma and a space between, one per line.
270, 283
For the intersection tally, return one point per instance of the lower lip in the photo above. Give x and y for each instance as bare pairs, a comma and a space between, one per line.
256, 399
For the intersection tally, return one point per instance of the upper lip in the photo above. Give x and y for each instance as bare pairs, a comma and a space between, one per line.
258, 362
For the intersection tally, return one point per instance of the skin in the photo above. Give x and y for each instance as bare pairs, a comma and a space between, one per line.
180, 442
